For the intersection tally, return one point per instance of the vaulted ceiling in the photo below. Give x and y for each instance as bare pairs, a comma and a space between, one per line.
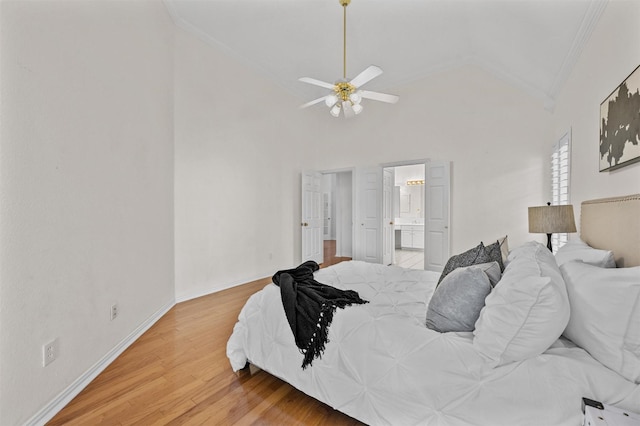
532, 44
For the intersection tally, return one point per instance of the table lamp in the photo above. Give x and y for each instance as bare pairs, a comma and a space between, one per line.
551, 219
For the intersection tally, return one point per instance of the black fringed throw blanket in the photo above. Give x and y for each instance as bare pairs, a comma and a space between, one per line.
309, 306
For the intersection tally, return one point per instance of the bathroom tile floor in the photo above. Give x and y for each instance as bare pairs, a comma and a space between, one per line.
412, 259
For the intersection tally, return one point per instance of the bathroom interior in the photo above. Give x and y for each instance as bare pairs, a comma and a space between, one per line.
408, 207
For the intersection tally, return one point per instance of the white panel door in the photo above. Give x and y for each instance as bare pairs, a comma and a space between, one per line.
326, 216
437, 188
311, 223
369, 215
388, 231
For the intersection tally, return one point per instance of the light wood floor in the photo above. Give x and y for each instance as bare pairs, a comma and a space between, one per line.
330, 254
178, 373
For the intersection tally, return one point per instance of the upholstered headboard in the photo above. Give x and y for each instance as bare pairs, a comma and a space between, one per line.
613, 224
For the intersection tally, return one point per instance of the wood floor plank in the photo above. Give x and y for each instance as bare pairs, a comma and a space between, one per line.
177, 373
167, 404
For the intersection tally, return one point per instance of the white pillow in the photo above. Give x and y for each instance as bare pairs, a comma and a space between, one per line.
605, 315
527, 310
579, 250
504, 248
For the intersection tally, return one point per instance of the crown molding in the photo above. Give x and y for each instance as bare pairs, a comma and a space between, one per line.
587, 26
547, 95
208, 39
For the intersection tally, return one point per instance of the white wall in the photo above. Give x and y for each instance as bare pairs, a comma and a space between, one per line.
495, 135
613, 51
238, 159
404, 173
86, 172
237, 134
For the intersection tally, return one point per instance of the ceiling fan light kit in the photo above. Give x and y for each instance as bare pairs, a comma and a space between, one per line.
347, 96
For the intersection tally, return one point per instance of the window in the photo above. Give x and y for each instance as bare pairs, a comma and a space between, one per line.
560, 181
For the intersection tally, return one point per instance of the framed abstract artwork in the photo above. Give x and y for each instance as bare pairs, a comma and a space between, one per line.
620, 125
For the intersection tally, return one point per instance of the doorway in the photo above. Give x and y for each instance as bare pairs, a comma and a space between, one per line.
420, 213
337, 212
364, 219
407, 200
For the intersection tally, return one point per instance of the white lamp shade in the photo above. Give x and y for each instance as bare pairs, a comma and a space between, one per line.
331, 100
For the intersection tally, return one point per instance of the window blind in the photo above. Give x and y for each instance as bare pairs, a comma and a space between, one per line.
560, 181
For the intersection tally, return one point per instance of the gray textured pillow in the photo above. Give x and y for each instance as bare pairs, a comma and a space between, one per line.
492, 269
494, 252
470, 257
458, 300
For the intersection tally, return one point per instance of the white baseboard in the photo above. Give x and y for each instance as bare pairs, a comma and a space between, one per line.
59, 402
183, 297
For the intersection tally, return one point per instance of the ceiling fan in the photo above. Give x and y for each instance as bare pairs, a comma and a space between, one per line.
346, 95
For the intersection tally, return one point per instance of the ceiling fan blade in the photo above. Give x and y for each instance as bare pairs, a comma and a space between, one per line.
366, 76
313, 102
376, 96
347, 109
317, 82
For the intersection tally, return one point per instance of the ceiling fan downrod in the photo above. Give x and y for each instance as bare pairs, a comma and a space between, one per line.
344, 4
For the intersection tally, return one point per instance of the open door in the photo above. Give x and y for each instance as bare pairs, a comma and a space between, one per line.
388, 229
437, 188
327, 224
311, 223
368, 214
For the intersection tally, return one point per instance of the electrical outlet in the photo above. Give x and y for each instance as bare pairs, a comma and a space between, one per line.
114, 311
50, 352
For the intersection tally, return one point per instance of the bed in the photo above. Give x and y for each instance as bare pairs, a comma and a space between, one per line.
519, 366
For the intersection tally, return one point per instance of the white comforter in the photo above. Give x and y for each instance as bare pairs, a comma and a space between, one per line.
384, 367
